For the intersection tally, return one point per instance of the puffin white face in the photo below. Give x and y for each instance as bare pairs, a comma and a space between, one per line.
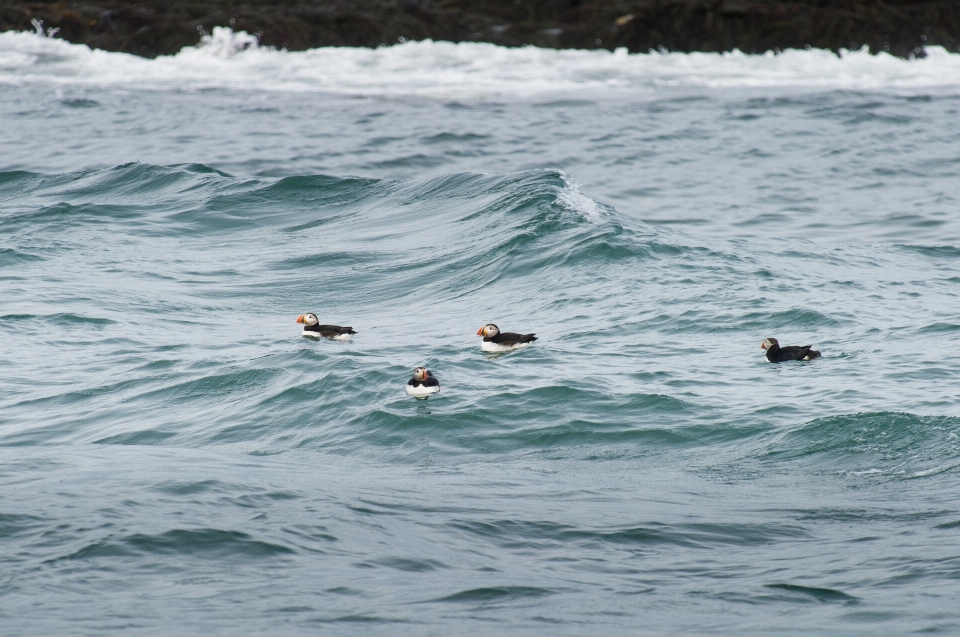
768, 343
420, 373
308, 319
488, 331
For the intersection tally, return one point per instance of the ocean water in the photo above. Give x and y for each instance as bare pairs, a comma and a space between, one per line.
176, 459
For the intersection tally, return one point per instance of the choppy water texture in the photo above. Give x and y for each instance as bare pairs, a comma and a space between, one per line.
176, 459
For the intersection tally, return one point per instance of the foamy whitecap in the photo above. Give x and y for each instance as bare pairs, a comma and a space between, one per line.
234, 60
572, 199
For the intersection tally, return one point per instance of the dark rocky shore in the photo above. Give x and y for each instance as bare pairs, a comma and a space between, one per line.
159, 27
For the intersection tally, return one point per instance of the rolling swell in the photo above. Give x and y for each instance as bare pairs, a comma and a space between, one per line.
465, 231
888, 443
526, 248
165, 429
213, 544
167, 196
378, 243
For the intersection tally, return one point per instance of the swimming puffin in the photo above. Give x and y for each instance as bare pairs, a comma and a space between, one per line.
312, 327
496, 341
777, 354
422, 384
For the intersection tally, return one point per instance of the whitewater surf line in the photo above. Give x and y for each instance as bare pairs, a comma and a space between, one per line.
474, 71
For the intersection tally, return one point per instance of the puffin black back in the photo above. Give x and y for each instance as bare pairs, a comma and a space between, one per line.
777, 354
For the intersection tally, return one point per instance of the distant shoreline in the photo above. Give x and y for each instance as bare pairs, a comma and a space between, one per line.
149, 29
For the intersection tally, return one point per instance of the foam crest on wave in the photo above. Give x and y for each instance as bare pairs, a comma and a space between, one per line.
234, 60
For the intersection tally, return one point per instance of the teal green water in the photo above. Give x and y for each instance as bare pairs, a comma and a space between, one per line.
176, 458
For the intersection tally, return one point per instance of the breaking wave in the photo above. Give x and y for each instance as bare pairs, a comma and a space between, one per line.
234, 60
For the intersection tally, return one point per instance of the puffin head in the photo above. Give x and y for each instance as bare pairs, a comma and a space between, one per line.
768, 343
488, 331
420, 373
308, 319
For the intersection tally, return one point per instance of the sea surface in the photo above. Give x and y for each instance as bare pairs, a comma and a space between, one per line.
176, 459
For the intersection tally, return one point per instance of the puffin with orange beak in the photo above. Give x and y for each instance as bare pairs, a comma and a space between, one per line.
777, 354
422, 384
312, 328
496, 341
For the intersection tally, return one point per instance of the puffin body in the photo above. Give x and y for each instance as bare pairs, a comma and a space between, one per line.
496, 341
777, 354
312, 328
422, 384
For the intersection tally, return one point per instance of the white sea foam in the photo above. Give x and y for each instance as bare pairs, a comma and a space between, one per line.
228, 59
575, 201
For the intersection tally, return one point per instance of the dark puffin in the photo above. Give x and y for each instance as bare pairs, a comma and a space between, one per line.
496, 341
422, 384
312, 327
777, 354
